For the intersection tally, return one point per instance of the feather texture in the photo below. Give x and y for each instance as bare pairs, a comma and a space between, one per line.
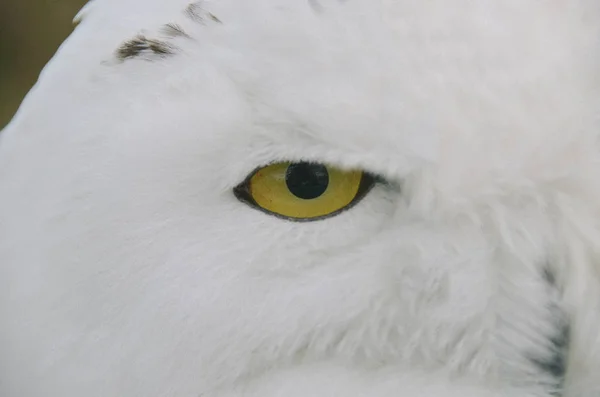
128, 267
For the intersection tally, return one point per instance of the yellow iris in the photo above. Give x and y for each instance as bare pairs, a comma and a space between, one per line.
303, 191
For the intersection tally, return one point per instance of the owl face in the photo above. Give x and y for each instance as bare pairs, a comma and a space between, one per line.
319, 198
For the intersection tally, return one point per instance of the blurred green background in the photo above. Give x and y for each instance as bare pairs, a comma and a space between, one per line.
30, 33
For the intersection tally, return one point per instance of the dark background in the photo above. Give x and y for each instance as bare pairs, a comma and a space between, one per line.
30, 33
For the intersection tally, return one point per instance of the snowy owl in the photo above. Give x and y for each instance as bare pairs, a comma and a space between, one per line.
303, 198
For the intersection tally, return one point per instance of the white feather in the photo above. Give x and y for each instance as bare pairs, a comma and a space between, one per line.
128, 268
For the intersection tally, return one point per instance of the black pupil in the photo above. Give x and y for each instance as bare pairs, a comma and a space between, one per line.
307, 181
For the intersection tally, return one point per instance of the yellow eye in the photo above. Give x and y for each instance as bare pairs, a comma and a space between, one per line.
303, 191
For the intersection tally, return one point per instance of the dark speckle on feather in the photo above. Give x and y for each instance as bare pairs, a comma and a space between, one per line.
554, 361
173, 30
141, 45
195, 12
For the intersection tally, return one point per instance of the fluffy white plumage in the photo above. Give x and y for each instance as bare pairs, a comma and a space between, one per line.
129, 269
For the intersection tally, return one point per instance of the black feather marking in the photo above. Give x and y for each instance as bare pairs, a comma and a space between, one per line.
555, 362
173, 30
214, 18
141, 45
196, 13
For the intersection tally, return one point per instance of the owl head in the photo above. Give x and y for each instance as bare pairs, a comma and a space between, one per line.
309, 198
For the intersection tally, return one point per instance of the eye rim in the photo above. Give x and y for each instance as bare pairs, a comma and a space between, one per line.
242, 193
